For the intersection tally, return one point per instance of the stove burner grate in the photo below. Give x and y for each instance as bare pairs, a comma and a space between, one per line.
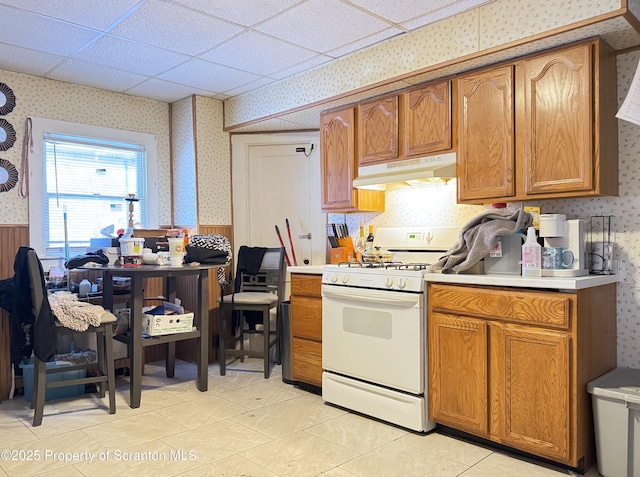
386, 265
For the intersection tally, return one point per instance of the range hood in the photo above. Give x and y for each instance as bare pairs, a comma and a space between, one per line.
409, 173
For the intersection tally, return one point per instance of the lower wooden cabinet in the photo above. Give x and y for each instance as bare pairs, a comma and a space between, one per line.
512, 365
306, 328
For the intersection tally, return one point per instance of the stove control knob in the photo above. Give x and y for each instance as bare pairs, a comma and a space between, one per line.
334, 277
345, 278
389, 282
402, 282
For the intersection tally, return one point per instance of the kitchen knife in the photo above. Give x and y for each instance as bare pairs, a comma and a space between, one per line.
333, 241
335, 230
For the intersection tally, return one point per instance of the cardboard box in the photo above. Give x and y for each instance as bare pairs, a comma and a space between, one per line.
157, 325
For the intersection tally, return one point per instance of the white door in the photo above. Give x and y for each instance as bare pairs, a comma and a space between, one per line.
272, 182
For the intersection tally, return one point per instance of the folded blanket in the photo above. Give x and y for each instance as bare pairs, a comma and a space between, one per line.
74, 314
479, 236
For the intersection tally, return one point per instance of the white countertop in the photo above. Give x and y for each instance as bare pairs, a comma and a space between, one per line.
308, 269
555, 283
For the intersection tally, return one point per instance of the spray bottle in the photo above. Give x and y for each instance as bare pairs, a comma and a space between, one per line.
531, 255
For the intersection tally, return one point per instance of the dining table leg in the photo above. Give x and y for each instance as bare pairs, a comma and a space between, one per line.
170, 288
135, 388
203, 340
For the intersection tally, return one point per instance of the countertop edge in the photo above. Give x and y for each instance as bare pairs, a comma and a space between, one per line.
306, 269
556, 283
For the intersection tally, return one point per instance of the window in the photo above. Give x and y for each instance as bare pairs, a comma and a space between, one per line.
80, 177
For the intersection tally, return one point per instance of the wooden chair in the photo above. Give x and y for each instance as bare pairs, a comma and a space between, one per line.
104, 339
261, 292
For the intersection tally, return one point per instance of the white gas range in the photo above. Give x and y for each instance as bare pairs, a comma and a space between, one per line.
374, 328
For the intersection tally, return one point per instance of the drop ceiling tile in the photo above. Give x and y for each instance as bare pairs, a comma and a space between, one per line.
301, 67
165, 90
161, 23
130, 56
31, 62
241, 12
322, 25
96, 76
365, 42
257, 58
208, 76
21, 28
98, 14
399, 11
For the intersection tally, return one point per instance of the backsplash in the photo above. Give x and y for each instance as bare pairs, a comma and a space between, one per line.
436, 205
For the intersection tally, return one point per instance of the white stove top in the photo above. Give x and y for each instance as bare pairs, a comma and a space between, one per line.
413, 250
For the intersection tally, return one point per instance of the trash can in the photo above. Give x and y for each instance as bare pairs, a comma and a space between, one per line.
615, 397
285, 342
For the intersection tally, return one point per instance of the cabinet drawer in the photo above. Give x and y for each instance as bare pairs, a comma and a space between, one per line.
306, 317
306, 363
307, 285
543, 308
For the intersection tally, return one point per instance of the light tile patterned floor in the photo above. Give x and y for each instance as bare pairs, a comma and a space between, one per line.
243, 426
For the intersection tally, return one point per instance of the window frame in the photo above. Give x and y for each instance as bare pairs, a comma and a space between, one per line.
40, 126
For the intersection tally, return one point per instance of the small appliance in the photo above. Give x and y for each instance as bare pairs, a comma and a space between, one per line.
570, 234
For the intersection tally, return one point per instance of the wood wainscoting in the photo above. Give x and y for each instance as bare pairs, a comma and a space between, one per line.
12, 237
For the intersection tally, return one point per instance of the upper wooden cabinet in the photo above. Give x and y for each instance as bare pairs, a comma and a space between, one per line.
415, 122
339, 167
378, 130
425, 119
540, 128
486, 142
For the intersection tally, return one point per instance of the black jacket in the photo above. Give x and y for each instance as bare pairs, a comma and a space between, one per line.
28, 333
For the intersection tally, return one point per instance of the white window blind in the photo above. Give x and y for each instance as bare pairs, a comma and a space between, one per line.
87, 171
86, 181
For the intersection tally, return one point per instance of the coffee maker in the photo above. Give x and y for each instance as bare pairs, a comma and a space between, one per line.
557, 231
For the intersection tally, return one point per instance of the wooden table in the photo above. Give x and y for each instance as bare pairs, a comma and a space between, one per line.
134, 338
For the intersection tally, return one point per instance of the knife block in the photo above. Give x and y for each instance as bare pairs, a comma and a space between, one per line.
347, 243
338, 254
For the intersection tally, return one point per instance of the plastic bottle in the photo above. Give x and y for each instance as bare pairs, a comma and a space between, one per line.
531, 255
84, 288
370, 239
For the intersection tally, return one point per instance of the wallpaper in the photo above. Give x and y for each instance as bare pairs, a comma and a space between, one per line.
495, 23
213, 152
184, 163
68, 102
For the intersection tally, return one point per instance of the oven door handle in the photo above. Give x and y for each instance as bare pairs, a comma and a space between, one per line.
394, 299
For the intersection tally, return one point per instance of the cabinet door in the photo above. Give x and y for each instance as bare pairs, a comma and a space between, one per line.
486, 135
530, 389
458, 372
338, 160
306, 365
426, 119
557, 121
378, 130
306, 317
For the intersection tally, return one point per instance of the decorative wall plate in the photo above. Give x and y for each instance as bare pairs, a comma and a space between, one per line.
7, 135
8, 176
7, 99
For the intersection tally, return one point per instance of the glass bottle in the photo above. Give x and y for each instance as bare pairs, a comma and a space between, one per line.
370, 241
361, 244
